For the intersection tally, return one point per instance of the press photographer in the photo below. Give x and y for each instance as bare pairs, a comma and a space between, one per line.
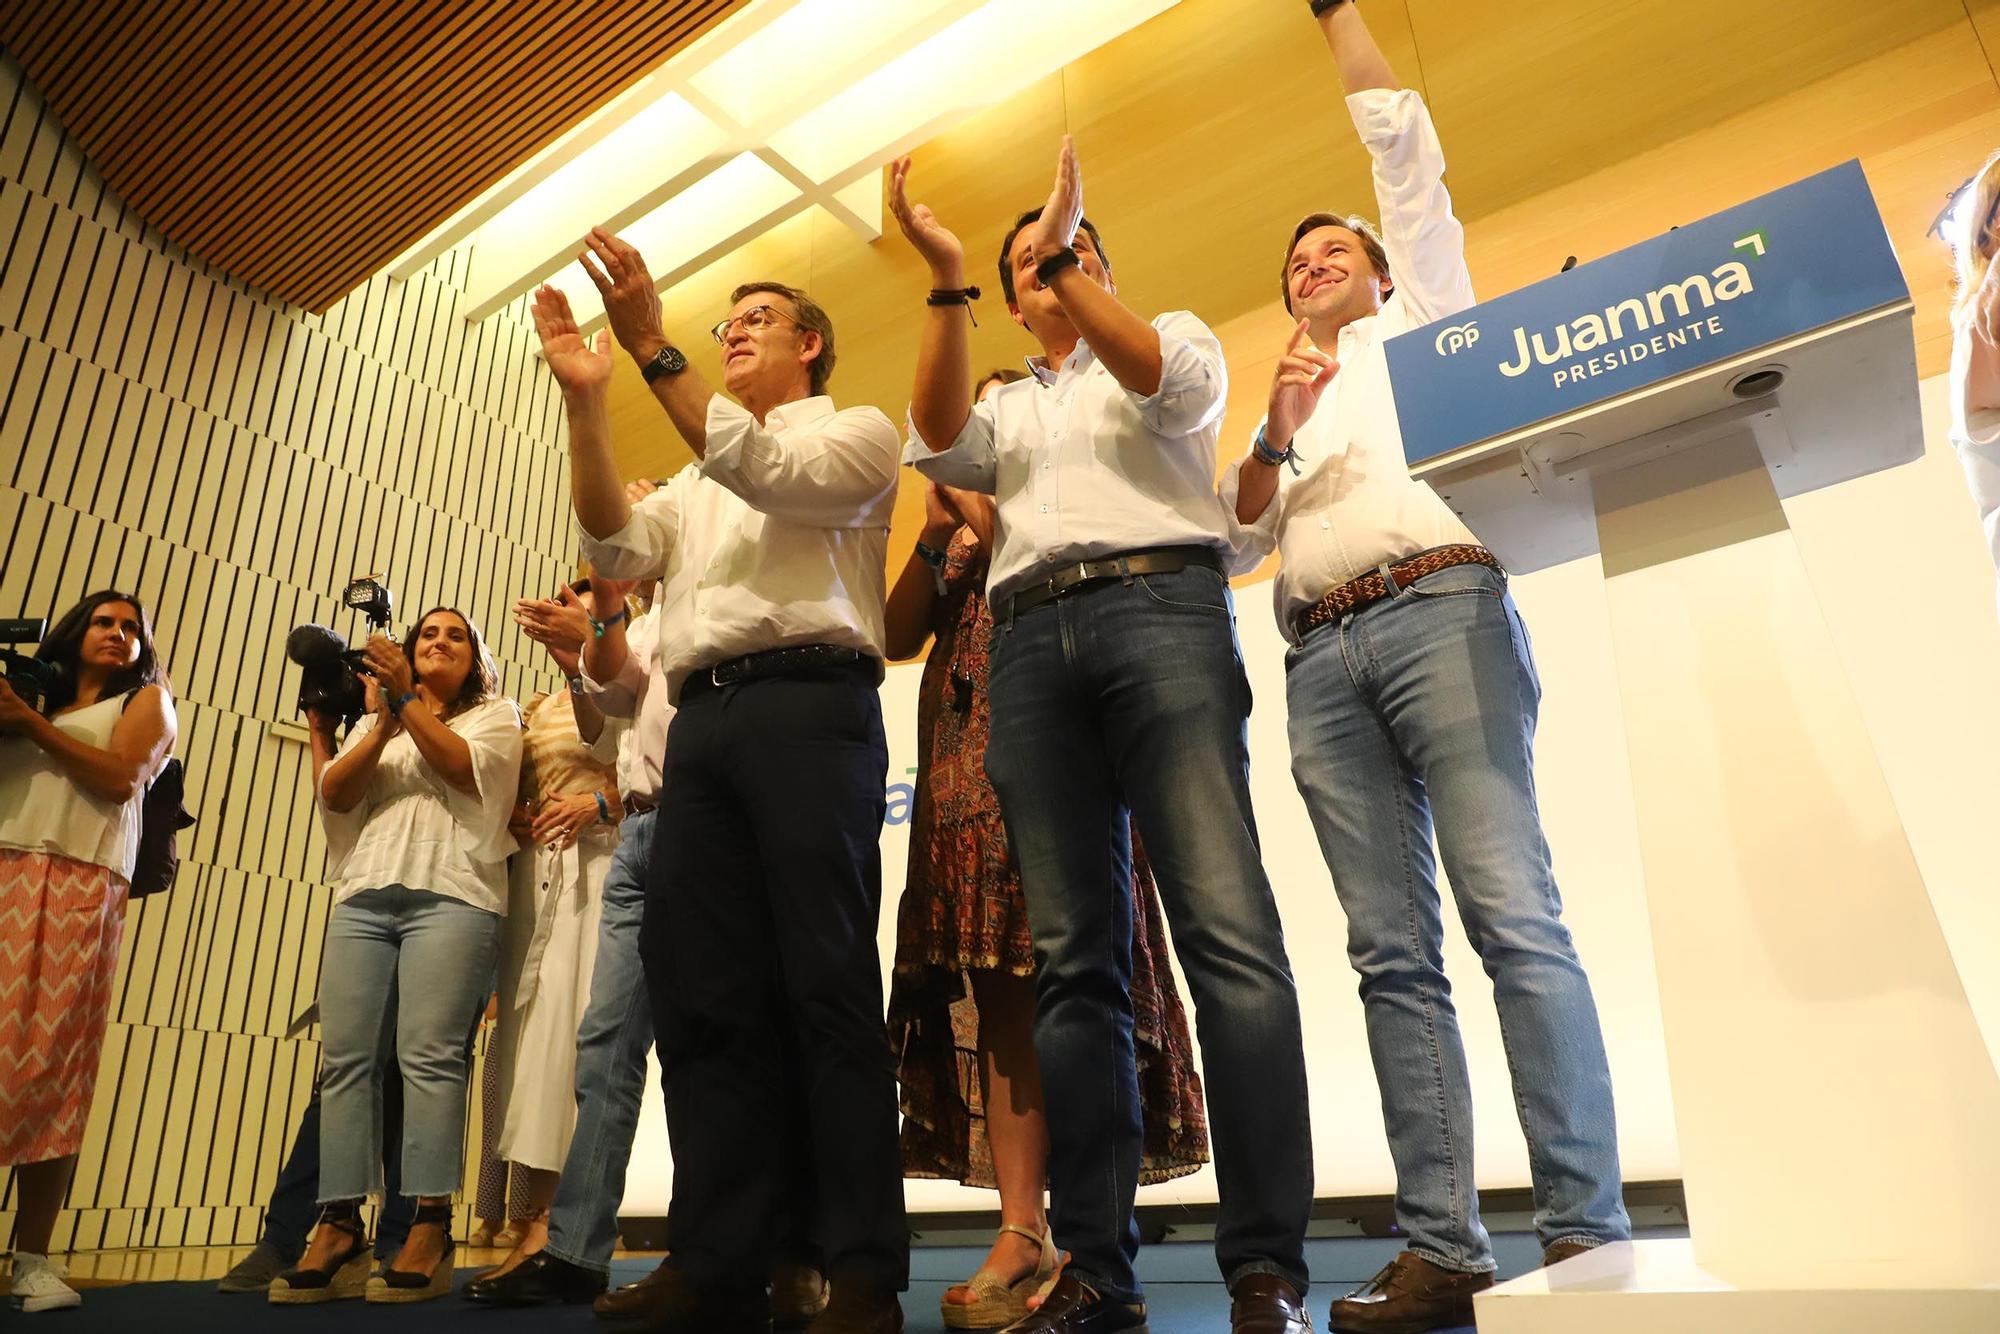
415, 803
85, 725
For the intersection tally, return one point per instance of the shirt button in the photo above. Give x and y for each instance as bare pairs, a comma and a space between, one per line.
1045, 466
1045, 509
1326, 523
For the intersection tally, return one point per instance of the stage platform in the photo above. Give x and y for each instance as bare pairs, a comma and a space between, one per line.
175, 1290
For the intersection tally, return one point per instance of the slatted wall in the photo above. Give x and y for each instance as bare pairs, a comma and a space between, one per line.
170, 431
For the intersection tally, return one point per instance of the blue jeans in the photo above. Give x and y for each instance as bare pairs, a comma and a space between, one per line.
1422, 704
1132, 694
294, 1206
404, 969
611, 1045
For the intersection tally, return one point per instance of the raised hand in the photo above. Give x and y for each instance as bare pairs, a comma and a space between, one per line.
579, 367
375, 699
939, 247
1303, 374
637, 490
631, 305
1063, 214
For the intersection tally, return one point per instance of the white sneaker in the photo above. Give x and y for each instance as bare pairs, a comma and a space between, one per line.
39, 1286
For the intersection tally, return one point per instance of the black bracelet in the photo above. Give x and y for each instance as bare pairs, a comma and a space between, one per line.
1054, 264
955, 296
1320, 7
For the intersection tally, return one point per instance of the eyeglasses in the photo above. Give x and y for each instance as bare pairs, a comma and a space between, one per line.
753, 319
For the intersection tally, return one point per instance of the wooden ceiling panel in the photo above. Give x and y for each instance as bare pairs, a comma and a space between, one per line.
302, 147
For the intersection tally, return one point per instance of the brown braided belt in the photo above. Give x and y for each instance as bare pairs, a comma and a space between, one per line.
1370, 587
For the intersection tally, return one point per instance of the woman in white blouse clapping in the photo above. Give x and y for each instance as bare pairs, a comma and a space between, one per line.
415, 803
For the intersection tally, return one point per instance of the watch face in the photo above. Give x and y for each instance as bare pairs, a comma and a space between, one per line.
667, 361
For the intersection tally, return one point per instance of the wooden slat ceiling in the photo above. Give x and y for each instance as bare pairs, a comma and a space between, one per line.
302, 146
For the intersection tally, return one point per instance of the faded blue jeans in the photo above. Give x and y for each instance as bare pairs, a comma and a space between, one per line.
611, 1046
1132, 694
404, 971
1424, 705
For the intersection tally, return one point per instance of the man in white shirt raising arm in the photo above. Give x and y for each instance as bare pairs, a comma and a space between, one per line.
1117, 682
1413, 694
765, 881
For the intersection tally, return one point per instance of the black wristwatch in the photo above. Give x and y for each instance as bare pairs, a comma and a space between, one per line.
1321, 6
1046, 270
667, 361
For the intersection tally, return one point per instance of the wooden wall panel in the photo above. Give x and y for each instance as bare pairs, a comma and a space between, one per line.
169, 429
300, 148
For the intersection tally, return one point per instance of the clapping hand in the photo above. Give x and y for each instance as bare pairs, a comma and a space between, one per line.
939, 247
1055, 230
1302, 376
580, 367
631, 303
559, 624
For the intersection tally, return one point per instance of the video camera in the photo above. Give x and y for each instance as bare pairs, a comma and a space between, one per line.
30, 678
330, 670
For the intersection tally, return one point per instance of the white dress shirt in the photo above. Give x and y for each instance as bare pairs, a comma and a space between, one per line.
412, 828
1354, 506
1975, 418
1084, 468
636, 714
777, 537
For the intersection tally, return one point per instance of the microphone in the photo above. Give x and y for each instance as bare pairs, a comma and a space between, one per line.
309, 645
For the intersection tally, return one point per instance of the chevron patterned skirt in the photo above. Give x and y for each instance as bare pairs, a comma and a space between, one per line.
60, 924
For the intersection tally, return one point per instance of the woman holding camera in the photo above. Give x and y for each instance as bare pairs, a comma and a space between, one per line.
415, 802
73, 777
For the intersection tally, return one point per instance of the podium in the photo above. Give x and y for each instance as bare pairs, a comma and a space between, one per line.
1839, 1115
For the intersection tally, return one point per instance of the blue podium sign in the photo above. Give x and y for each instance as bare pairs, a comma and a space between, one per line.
1785, 264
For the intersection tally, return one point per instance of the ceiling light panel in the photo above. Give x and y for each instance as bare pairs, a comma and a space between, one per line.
792, 104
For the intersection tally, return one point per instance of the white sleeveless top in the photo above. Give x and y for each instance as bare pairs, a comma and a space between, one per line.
42, 809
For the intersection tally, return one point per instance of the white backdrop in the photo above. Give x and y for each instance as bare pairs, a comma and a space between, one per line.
1906, 585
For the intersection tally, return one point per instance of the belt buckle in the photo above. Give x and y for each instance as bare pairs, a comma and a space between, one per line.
726, 673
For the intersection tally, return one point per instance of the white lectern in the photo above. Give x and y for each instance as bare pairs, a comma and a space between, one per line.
1839, 1116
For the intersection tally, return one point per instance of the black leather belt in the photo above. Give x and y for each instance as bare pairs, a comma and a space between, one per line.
799, 660
1155, 560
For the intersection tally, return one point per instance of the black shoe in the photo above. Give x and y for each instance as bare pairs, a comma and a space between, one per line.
536, 1281
346, 1277
398, 1286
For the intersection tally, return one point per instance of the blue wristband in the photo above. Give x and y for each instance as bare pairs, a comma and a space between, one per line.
396, 705
603, 811
597, 627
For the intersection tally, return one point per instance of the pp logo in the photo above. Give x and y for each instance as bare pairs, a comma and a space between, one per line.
1457, 338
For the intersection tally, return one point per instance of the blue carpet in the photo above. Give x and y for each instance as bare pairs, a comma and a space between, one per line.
1184, 1296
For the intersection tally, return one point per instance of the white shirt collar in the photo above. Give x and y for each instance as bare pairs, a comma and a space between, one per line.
799, 412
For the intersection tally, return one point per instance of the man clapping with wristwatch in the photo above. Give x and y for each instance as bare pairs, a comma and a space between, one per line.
764, 890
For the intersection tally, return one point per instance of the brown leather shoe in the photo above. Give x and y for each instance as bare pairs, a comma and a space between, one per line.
631, 1301
1410, 1295
798, 1293
1266, 1304
667, 1301
1073, 1307
854, 1307
1567, 1249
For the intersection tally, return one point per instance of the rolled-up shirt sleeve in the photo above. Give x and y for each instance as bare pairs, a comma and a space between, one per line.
1194, 381
834, 476
971, 462
640, 549
1256, 540
1424, 240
